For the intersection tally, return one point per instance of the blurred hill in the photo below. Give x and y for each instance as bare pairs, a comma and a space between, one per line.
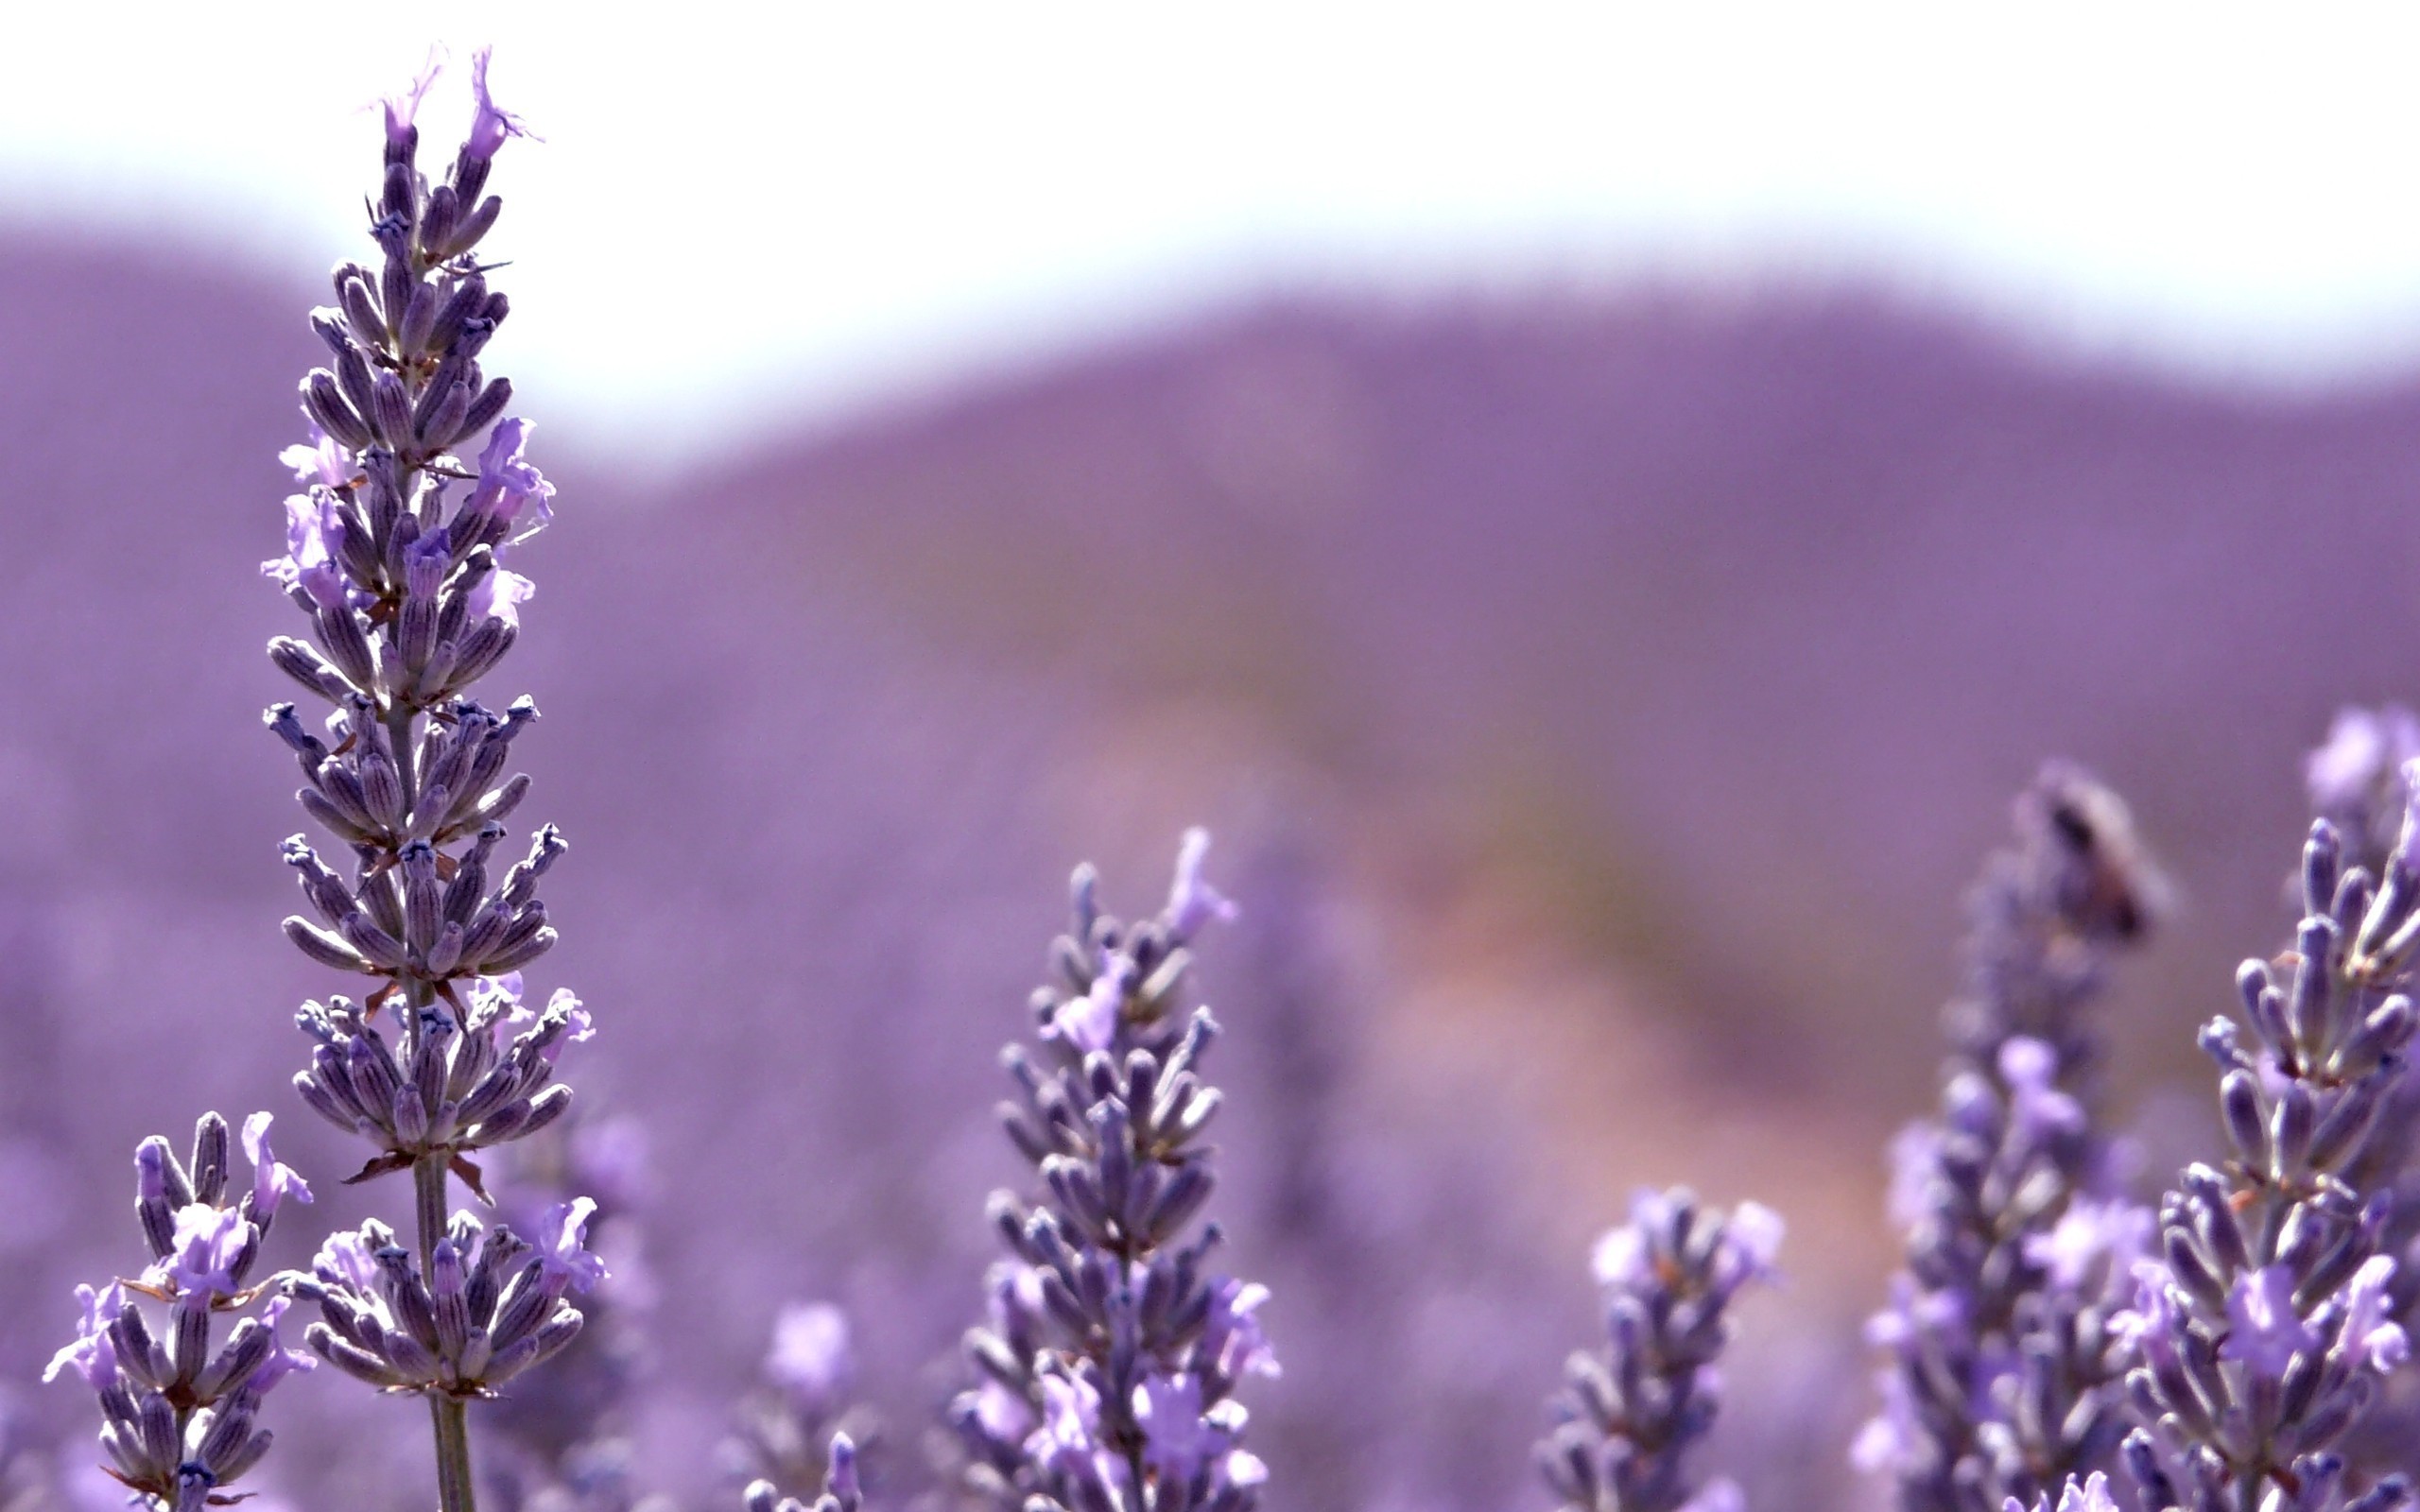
1620, 693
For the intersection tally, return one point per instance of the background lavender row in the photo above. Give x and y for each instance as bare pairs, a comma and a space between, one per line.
1600, 710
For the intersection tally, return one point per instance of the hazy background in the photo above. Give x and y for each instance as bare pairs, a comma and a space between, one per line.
1598, 511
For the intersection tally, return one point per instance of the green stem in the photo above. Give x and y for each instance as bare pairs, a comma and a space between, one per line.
452, 1420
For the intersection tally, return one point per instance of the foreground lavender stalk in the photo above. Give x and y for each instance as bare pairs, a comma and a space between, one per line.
395, 556
178, 1414
1632, 1410
2002, 1379
1111, 1355
2262, 1327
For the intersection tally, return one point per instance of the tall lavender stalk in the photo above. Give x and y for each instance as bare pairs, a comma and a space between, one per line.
178, 1413
2262, 1327
1113, 1354
1633, 1410
2001, 1380
395, 555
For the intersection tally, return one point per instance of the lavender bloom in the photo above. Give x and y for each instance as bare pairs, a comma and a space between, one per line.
2356, 780
178, 1415
1107, 1371
1634, 1409
2088, 1495
2261, 1327
784, 1433
409, 605
487, 1308
2002, 1380
841, 1492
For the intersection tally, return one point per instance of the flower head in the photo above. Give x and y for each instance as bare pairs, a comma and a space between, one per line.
562, 1249
210, 1245
2264, 1330
92, 1355
500, 595
271, 1181
810, 1357
490, 126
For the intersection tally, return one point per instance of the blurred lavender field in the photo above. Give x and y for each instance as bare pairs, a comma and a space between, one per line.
1602, 707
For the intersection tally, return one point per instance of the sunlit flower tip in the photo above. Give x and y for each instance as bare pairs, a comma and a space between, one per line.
1090, 1022
346, 1258
402, 107
2037, 1108
1177, 1441
498, 996
318, 460
1620, 1258
507, 484
1754, 1234
1234, 1332
91, 1355
1915, 1157
810, 1356
490, 126
563, 1245
209, 1243
309, 562
1244, 1470
2264, 1332
2368, 1331
500, 595
1002, 1413
1070, 1420
1192, 901
2089, 1495
281, 1362
272, 1183
2091, 1229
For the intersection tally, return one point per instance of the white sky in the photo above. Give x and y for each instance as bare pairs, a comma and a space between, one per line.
800, 209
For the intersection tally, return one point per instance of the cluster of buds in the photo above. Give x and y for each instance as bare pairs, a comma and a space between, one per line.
1107, 1374
1633, 1410
2263, 1325
416, 912
463, 1082
490, 1307
2003, 1374
177, 1411
395, 552
841, 1492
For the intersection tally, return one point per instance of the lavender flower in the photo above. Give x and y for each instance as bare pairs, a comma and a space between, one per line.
2261, 1326
1633, 1410
2088, 1495
1107, 1371
178, 1415
409, 605
786, 1432
841, 1492
2002, 1382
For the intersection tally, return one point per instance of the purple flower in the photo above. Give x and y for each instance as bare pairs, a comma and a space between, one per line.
2091, 1231
1915, 1313
320, 460
348, 1259
500, 595
1177, 1439
1070, 1431
271, 1181
2362, 749
1090, 1022
2367, 1328
810, 1357
2092, 1495
1915, 1161
1233, 1335
1894, 1436
1002, 1413
1192, 901
507, 484
490, 126
92, 1355
209, 1243
281, 1362
2036, 1106
402, 107
309, 562
2264, 1332
2150, 1326
1751, 1238
562, 1248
